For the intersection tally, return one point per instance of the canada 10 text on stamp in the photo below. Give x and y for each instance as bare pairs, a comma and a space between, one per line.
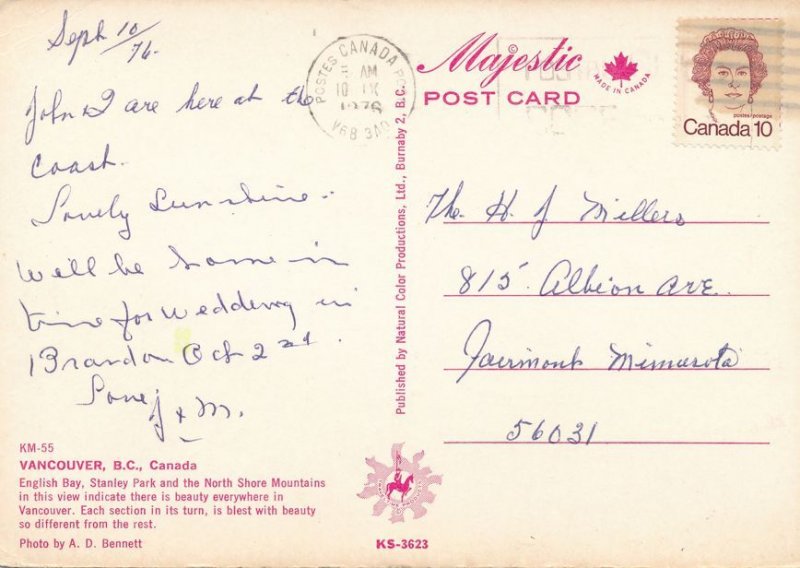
729, 82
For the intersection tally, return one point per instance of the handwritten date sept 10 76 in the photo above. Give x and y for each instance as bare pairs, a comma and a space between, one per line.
131, 35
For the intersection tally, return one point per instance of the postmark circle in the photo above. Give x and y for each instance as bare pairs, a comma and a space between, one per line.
356, 83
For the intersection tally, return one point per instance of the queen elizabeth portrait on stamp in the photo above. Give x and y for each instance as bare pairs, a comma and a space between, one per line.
729, 69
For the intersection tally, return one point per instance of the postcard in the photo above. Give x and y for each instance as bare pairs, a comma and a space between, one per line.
400, 284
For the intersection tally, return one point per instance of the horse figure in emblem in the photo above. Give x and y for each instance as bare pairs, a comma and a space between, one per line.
403, 486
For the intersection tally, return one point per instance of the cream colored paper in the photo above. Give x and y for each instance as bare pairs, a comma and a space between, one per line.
348, 286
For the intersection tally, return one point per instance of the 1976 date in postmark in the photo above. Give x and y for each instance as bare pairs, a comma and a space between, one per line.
729, 82
353, 82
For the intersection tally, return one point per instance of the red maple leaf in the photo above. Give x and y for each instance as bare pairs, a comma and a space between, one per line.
621, 69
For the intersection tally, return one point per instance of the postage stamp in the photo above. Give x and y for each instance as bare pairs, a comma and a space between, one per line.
729, 79
354, 83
